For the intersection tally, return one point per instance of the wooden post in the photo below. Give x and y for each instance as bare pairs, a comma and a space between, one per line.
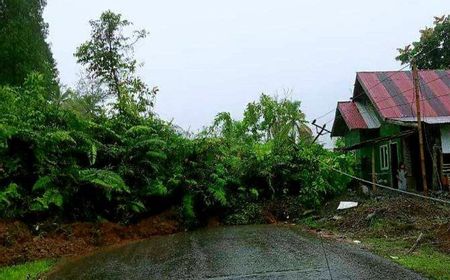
320, 133
374, 176
419, 126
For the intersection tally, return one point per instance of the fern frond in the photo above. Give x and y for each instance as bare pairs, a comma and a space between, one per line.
59, 137
157, 189
219, 194
139, 130
50, 197
108, 180
149, 143
92, 155
43, 183
104, 130
11, 192
137, 206
156, 155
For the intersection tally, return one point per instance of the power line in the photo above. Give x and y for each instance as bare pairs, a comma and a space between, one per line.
354, 97
379, 82
326, 114
367, 91
401, 104
422, 99
389, 188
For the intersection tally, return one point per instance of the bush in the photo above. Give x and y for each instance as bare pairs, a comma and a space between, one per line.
58, 163
100, 152
247, 213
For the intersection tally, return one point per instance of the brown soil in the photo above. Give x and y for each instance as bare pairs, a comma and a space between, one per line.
19, 244
269, 218
392, 217
443, 237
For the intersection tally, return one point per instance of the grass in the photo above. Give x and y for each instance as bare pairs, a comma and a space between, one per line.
31, 270
311, 222
425, 260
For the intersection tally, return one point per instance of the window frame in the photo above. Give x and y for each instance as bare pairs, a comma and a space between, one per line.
384, 157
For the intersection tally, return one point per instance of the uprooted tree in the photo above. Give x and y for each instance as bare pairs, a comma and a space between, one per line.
121, 162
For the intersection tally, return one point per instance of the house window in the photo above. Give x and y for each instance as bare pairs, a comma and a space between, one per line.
384, 157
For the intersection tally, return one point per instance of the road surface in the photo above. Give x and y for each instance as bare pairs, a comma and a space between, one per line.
242, 252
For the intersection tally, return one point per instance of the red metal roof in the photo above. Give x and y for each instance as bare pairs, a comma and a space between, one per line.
392, 93
351, 115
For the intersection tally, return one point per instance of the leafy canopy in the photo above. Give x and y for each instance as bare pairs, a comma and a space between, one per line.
23, 46
76, 157
432, 51
108, 58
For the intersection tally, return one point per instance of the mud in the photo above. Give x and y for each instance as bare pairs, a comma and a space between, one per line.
20, 243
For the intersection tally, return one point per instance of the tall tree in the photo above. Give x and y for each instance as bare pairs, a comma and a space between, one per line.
109, 58
432, 51
23, 46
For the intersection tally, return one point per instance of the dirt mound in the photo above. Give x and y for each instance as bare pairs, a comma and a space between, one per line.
404, 213
396, 217
19, 243
443, 237
166, 223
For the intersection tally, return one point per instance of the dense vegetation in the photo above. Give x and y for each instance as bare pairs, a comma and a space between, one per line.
432, 51
23, 48
99, 151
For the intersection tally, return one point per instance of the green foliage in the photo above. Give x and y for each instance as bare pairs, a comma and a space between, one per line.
8, 195
112, 166
49, 198
425, 259
157, 189
109, 181
23, 49
432, 51
43, 183
247, 213
72, 157
86, 167
30, 270
188, 208
109, 60
137, 206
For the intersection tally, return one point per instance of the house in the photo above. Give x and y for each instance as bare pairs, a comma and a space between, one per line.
379, 125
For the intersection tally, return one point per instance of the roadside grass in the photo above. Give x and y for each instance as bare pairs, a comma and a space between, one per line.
425, 259
311, 223
389, 226
30, 270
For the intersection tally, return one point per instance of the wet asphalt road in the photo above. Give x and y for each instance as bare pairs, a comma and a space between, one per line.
245, 252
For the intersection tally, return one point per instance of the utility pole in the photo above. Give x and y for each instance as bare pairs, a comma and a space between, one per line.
374, 175
415, 74
321, 132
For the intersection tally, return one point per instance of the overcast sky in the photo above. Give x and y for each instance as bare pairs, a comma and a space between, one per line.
211, 56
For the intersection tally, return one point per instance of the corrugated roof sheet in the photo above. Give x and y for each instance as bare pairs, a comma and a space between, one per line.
392, 93
368, 115
429, 120
351, 115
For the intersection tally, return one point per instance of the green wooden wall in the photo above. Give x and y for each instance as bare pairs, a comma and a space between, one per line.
364, 154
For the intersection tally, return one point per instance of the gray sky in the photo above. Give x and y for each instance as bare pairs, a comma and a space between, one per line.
211, 56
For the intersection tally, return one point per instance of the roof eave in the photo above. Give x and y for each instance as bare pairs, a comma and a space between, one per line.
366, 91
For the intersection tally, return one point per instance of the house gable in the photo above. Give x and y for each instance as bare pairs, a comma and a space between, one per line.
392, 93
348, 118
